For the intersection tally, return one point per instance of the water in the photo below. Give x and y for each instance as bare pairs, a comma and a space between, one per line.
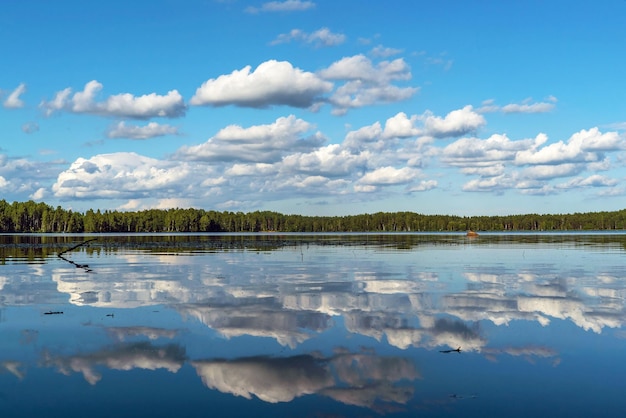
313, 325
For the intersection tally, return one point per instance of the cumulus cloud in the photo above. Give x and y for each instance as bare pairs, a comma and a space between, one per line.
24, 177
456, 123
489, 184
123, 105
271, 83
423, 186
331, 160
122, 175
151, 130
251, 169
530, 165
367, 83
389, 176
320, 38
282, 6
13, 100
367, 134
549, 172
39, 194
401, 126
494, 150
356, 94
595, 180
361, 68
260, 143
583, 146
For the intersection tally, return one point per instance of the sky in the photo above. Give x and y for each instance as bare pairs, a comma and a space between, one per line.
315, 107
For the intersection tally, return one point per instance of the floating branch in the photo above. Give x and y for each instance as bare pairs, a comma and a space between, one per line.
458, 350
76, 246
78, 266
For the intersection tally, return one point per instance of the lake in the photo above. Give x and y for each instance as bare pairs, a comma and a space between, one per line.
288, 325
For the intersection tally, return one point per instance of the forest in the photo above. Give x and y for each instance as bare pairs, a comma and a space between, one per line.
38, 217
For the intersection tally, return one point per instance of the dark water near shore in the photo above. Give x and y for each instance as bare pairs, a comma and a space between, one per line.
313, 325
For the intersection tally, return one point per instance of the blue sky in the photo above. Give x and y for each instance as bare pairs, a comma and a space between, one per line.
315, 107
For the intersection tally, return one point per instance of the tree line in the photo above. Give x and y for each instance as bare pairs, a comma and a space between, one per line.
23, 217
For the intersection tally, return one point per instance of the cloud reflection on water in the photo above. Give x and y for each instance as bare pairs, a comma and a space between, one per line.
292, 299
309, 301
140, 355
354, 379
13, 367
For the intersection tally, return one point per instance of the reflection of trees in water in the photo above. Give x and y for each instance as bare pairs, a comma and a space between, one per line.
353, 378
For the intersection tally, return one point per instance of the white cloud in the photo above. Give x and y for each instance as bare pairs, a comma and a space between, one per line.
496, 183
356, 94
271, 83
173, 202
23, 177
367, 83
151, 130
423, 186
548, 172
282, 6
305, 185
361, 68
488, 170
124, 175
260, 143
583, 146
320, 38
367, 134
494, 150
13, 100
123, 105
256, 169
39, 194
331, 160
594, 180
131, 205
456, 123
401, 126
385, 176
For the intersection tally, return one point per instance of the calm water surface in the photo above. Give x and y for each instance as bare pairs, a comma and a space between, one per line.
313, 326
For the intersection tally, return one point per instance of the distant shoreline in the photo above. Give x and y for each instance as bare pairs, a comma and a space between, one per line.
34, 217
